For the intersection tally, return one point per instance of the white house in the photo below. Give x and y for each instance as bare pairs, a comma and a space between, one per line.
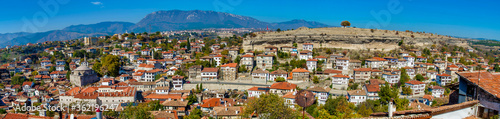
307, 46
391, 78
356, 96
417, 87
311, 64
437, 91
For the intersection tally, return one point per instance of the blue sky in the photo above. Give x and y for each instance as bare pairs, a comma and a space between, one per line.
465, 18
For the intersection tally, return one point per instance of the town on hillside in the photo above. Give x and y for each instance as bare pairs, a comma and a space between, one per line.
194, 74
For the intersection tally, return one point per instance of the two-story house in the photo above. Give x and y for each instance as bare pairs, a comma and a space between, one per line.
209, 74
437, 91
443, 79
311, 64
321, 94
417, 87
264, 61
247, 62
356, 96
362, 74
260, 75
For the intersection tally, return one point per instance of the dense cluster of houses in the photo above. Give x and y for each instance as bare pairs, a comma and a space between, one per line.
149, 77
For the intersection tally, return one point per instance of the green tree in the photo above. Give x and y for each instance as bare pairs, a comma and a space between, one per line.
323, 114
111, 113
419, 77
345, 23
110, 65
404, 77
51, 69
315, 80
242, 69
407, 90
364, 110
387, 93
340, 107
278, 30
353, 86
280, 79
195, 114
17, 80
3, 111
180, 73
269, 106
192, 99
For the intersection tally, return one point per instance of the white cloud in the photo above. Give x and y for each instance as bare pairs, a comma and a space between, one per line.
96, 3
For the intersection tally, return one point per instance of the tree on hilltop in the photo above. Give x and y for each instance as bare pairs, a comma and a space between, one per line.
345, 23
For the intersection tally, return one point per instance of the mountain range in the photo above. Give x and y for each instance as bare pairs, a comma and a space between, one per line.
156, 21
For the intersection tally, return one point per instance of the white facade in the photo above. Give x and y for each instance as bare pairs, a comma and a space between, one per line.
391, 78
307, 46
342, 64
311, 65
340, 80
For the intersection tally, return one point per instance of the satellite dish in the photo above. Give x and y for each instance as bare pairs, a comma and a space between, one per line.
304, 98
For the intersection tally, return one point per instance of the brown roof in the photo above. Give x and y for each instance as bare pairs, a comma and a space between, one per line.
164, 114
279, 71
377, 81
356, 92
260, 71
318, 89
210, 70
372, 87
489, 81
175, 103
436, 87
332, 71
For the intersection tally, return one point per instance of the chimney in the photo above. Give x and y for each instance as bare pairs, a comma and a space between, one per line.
391, 109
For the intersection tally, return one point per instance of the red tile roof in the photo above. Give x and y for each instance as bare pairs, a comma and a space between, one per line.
247, 55
443, 74
340, 76
230, 65
414, 82
210, 70
299, 70
372, 87
289, 95
362, 69
283, 86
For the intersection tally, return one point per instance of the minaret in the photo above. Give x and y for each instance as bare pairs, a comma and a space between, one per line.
98, 114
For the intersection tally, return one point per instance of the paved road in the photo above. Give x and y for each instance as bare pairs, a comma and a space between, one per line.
230, 83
